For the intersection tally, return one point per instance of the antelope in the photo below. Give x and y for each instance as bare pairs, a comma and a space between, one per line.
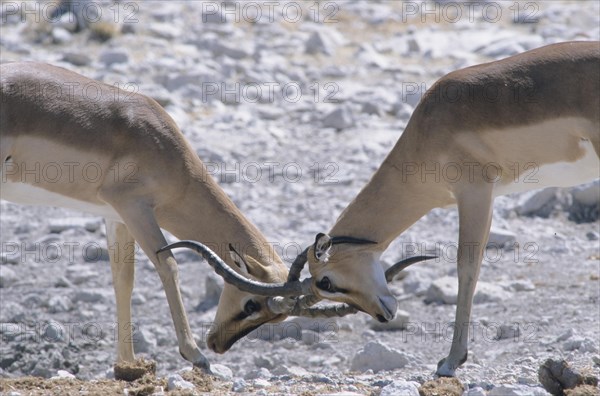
539, 110
50, 117
151, 178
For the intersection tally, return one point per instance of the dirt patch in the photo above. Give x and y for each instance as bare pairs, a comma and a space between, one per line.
583, 390
202, 381
35, 386
144, 390
145, 384
127, 371
558, 377
442, 387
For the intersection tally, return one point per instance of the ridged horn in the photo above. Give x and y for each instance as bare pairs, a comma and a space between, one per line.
395, 269
295, 288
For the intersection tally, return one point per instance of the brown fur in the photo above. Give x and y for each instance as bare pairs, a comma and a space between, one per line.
52, 115
533, 108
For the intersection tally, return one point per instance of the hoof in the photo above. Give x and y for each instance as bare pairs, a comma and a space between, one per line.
444, 370
202, 364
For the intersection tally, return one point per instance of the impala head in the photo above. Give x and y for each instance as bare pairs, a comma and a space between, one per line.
239, 312
348, 270
245, 303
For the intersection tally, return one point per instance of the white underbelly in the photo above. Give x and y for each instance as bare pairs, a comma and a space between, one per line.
27, 194
560, 174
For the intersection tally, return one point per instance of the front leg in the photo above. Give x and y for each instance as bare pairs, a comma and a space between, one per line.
140, 220
475, 214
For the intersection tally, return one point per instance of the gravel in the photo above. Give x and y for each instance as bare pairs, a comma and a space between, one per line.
405, 388
376, 356
358, 80
176, 382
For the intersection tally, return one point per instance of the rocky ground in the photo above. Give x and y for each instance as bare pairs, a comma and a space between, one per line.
293, 111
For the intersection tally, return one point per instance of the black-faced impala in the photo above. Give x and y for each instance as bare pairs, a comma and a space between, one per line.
152, 179
538, 112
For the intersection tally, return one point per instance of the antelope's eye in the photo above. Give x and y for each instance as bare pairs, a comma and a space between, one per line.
251, 307
325, 284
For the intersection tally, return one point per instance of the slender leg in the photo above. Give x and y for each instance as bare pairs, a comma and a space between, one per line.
121, 249
475, 214
142, 224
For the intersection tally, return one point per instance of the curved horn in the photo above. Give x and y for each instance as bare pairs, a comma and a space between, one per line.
326, 311
230, 276
291, 305
402, 264
303, 307
329, 311
297, 266
304, 302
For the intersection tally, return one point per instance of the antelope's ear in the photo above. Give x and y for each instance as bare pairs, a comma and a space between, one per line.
322, 247
238, 260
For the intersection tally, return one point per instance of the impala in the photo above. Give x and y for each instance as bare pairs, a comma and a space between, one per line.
151, 179
539, 111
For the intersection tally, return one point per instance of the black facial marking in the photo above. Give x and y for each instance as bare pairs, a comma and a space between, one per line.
251, 307
245, 332
241, 316
338, 240
326, 285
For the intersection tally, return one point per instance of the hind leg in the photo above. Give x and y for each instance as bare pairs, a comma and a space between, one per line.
121, 249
